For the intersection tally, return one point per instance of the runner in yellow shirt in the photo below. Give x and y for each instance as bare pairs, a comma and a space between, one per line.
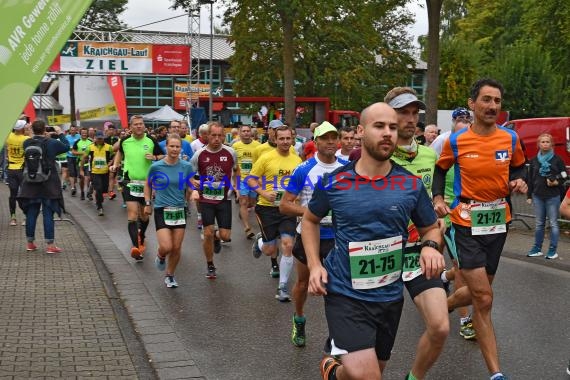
15, 150
269, 177
244, 150
99, 156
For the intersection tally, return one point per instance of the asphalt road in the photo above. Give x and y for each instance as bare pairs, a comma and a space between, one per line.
235, 328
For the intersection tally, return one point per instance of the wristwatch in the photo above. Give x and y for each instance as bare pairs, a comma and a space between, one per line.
431, 244
147, 203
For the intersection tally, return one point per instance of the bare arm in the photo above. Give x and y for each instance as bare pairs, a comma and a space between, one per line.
289, 207
431, 260
311, 234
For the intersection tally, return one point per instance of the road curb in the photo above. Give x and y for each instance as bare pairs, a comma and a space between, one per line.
164, 352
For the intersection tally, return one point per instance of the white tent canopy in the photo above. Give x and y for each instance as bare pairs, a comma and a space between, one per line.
165, 113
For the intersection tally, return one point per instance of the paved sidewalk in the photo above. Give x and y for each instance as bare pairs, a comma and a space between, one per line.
59, 316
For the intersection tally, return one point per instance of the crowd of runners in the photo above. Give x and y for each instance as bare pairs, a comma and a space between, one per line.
357, 213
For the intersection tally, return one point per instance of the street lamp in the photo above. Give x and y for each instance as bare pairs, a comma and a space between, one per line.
210, 100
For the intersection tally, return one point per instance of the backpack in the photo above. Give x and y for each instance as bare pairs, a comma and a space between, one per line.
37, 168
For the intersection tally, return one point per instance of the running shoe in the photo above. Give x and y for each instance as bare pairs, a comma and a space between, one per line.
568, 369
82, 197
100, 211
328, 365
283, 294
170, 282
255, 250
211, 274
112, 195
124, 205
298, 331
136, 254
274, 272
249, 234
467, 331
551, 254
160, 263
63, 187
534, 252
73, 191
53, 249
13, 221
217, 245
90, 196
31, 247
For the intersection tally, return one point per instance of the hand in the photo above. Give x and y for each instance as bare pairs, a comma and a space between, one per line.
432, 262
529, 201
112, 168
518, 186
269, 195
441, 208
149, 156
318, 279
148, 210
551, 183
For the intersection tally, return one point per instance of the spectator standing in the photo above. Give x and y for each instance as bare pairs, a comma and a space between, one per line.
45, 195
545, 186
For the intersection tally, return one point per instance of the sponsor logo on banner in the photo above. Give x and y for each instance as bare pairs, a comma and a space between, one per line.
118, 57
182, 93
94, 113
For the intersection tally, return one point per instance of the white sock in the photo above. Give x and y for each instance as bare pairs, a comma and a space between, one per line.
443, 278
260, 244
285, 268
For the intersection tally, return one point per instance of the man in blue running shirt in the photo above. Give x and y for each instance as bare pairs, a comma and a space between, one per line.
371, 201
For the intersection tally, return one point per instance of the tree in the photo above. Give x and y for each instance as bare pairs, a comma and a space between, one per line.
458, 70
103, 15
434, 21
532, 86
340, 48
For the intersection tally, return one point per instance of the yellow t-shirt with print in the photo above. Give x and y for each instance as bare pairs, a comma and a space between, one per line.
99, 157
274, 172
265, 147
244, 154
15, 150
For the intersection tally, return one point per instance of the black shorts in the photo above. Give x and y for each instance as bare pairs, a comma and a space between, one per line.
129, 198
72, 169
274, 224
421, 283
326, 245
100, 182
477, 251
217, 212
160, 223
356, 325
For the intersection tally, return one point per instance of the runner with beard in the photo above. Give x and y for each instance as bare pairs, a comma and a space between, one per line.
362, 276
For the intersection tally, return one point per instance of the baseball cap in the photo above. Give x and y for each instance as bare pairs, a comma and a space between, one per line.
405, 99
108, 124
99, 135
275, 124
323, 128
460, 112
20, 124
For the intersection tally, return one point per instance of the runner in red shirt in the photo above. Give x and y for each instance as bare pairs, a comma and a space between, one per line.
214, 165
